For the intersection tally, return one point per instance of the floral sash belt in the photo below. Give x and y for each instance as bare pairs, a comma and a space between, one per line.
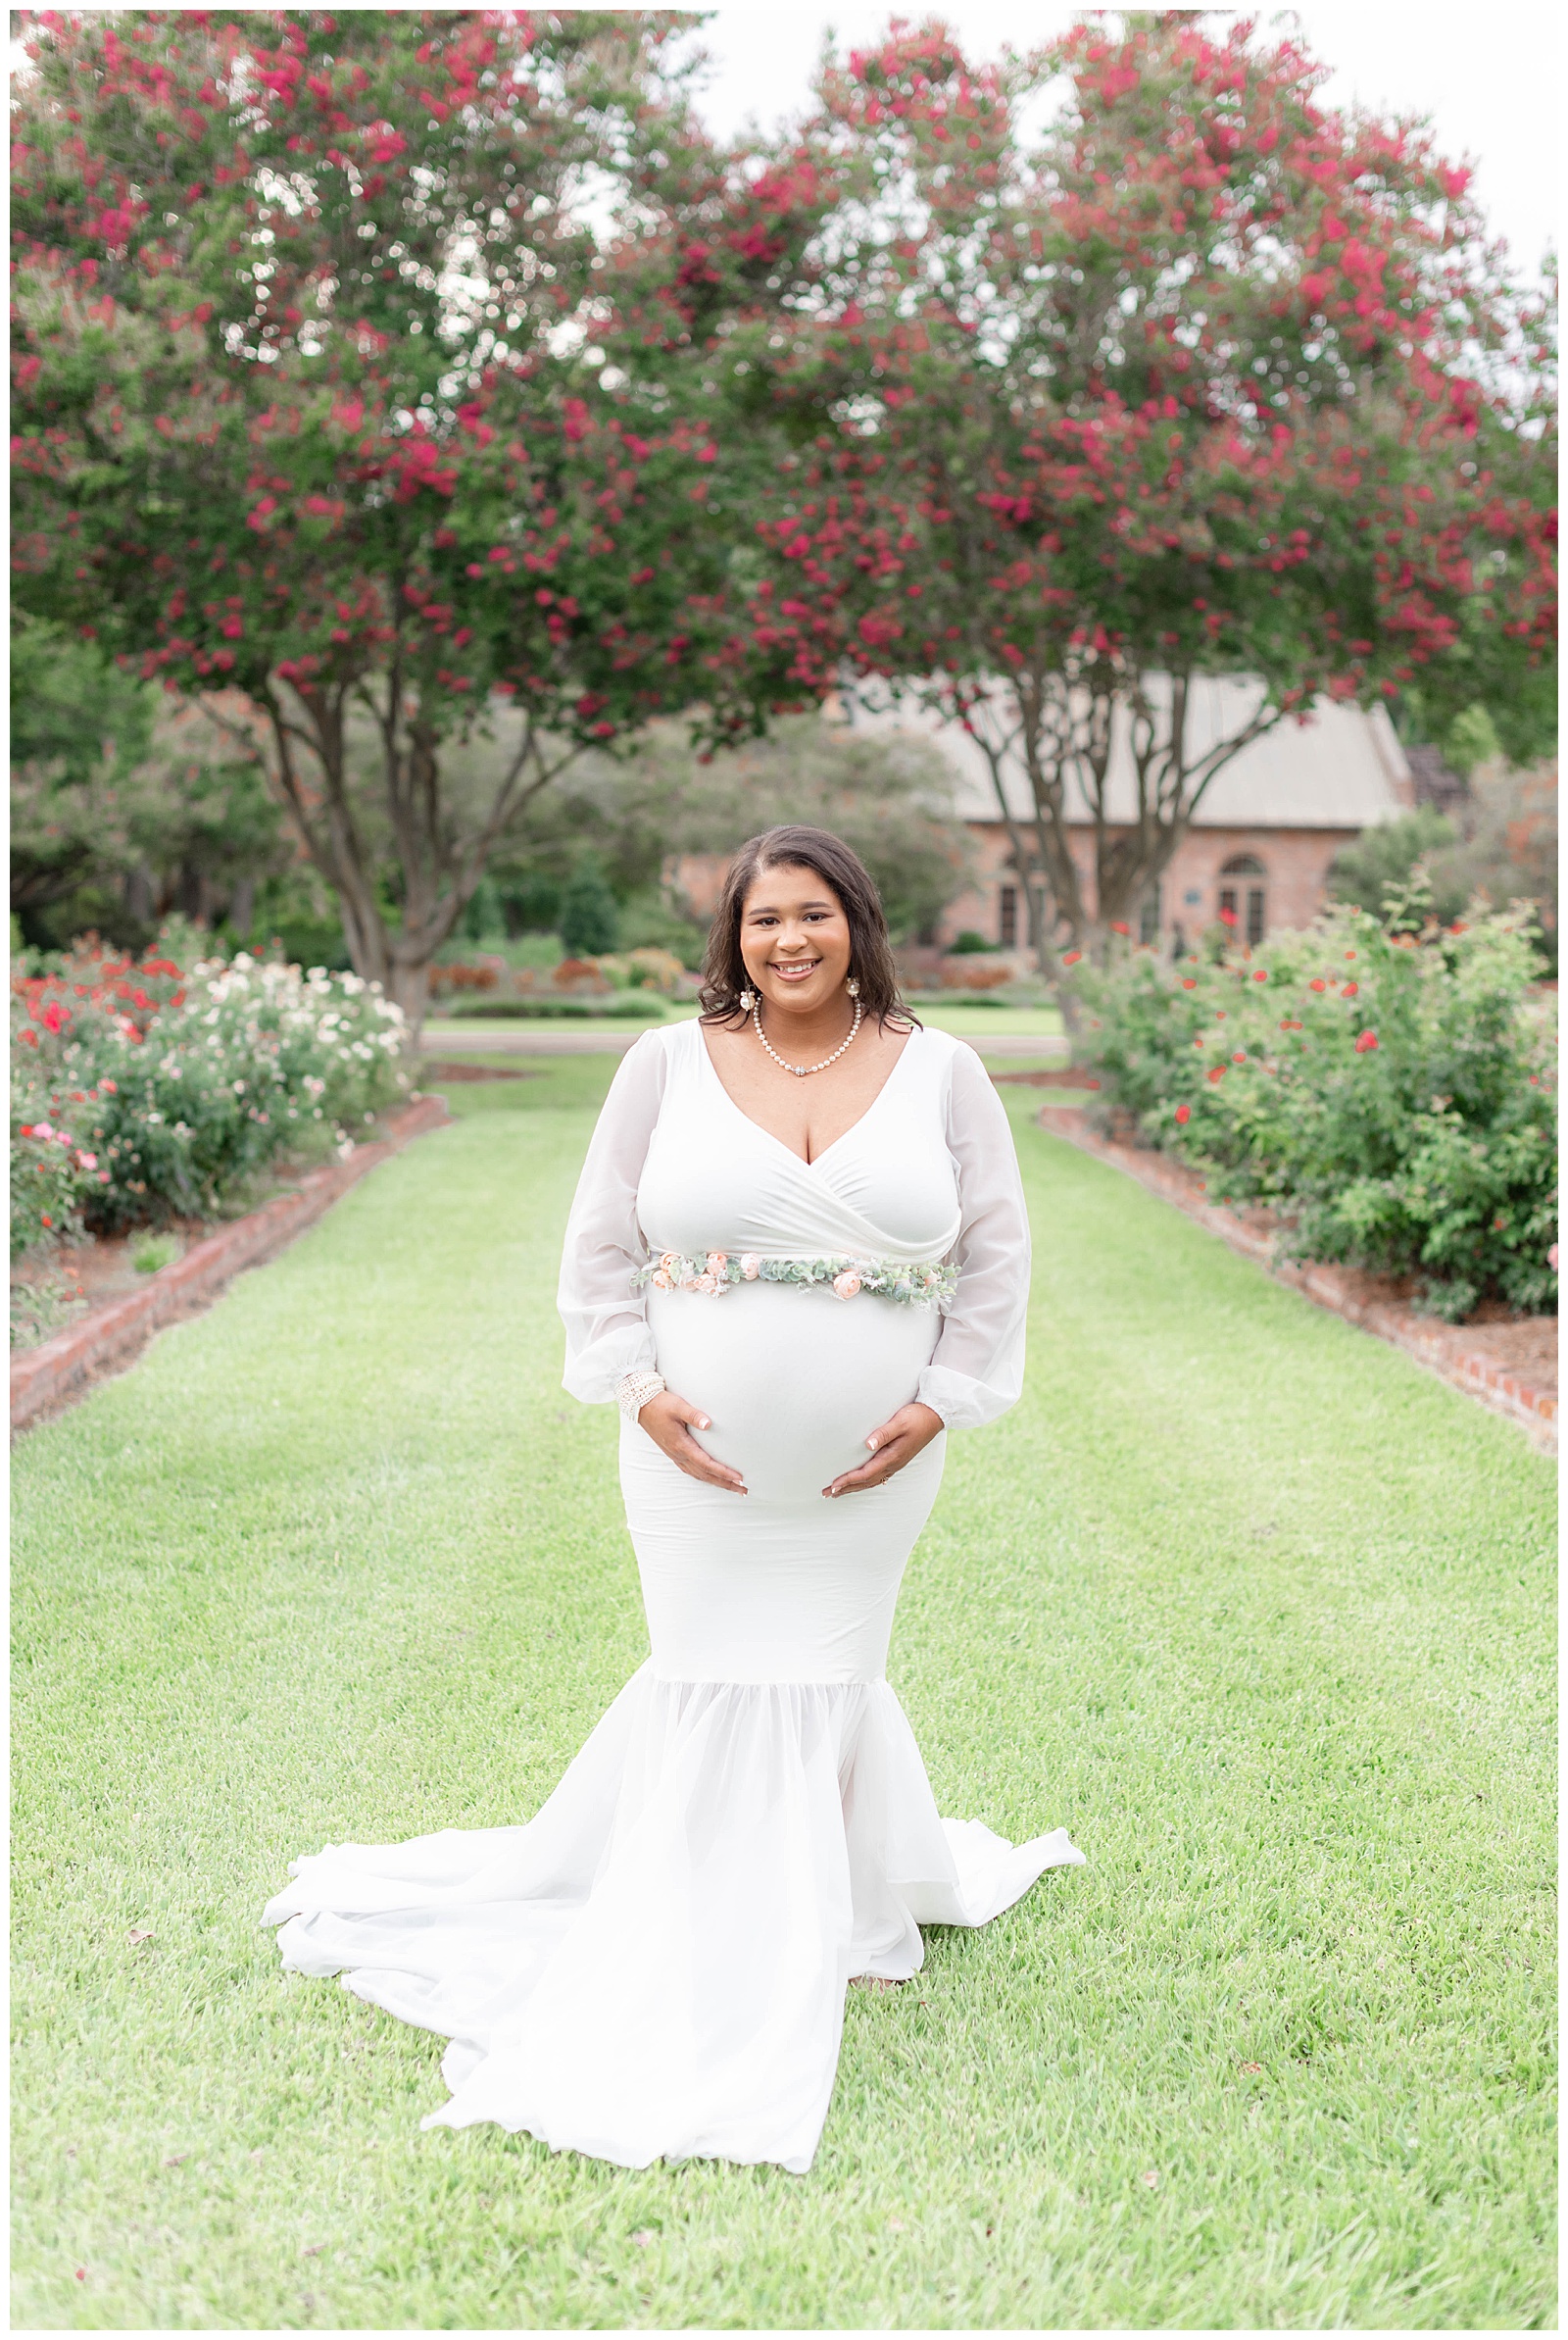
925, 1284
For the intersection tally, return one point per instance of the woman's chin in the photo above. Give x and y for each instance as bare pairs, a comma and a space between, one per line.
799, 998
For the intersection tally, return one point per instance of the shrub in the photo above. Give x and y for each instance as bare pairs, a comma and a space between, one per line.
1384, 860
482, 976
1392, 1092
590, 915
140, 1092
579, 975
966, 971
633, 1007
649, 969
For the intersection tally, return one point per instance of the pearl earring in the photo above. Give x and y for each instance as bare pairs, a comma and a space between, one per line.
748, 1002
853, 986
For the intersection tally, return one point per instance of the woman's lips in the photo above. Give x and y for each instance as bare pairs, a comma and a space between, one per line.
793, 971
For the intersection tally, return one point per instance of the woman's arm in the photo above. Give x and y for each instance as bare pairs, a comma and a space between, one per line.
608, 1335
605, 1320
976, 1370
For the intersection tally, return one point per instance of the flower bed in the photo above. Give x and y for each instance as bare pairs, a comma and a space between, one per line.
1392, 1092
141, 1091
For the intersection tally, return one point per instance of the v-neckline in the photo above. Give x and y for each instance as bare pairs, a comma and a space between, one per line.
772, 1135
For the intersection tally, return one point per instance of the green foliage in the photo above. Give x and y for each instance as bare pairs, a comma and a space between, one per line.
648, 924
485, 917
124, 805
969, 942
79, 729
1472, 740
590, 917
530, 904
154, 1252
1384, 860
1508, 849
627, 1006
888, 794
1392, 1092
75, 713
141, 1092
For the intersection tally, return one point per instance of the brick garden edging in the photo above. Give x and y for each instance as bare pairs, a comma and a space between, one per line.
62, 1367
1535, 1410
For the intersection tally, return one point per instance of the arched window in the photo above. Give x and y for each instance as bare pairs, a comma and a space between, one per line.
1242, 890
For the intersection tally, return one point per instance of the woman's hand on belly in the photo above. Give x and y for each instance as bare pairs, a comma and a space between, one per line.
899, 1440
670, 1421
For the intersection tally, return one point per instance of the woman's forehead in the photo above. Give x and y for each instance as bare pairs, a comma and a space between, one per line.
790, 886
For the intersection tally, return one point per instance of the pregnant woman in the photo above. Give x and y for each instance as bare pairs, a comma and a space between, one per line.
798, 1255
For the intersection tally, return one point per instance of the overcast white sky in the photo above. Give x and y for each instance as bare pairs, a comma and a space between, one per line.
1486, 77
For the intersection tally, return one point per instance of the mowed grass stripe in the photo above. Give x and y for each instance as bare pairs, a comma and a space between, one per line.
1256, 1609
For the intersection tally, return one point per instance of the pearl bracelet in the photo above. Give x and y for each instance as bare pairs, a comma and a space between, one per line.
633, 1391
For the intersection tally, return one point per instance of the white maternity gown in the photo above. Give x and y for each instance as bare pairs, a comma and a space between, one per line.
656, 1963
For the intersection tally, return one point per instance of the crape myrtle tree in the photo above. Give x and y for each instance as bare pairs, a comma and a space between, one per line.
1209, 381
310, 326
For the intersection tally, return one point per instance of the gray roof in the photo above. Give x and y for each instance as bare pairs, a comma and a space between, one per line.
1342, 768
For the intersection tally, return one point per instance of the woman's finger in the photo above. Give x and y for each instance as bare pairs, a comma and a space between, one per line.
891, 1457
698, 1463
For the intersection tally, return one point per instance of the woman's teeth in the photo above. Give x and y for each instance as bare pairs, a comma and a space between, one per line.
794, 973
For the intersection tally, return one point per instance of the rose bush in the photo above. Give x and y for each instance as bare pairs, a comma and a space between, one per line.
139, 1091
1389, 1089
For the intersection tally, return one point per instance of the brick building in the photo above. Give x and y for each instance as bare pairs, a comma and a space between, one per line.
1268, 827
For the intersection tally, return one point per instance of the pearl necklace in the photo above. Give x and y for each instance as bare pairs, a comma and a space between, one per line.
801, 1071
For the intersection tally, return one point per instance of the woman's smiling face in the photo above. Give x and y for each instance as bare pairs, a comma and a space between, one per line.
795, 938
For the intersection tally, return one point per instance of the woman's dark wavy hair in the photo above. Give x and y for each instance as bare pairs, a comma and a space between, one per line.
796, 846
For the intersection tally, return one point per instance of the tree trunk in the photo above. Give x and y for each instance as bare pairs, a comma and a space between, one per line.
440, 868
409, 990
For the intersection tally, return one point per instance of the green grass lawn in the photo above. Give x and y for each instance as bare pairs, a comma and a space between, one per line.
971, 1019
1237, 1594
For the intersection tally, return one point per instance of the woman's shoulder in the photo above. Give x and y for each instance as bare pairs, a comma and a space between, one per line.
664, 1052
665, 1042
939, 1050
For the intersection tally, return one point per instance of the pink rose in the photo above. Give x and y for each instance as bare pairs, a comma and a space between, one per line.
660, 1280
87, 1161
751, 1266
717, 1261
704, 1283
670, 1261
847, 1284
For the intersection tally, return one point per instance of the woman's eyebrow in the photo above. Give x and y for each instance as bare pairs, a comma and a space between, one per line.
770, 910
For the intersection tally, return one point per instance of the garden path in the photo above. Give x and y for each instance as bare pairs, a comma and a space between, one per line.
1250, 1603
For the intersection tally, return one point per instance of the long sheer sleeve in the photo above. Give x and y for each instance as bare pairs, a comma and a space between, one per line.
605, 1320
976, 1371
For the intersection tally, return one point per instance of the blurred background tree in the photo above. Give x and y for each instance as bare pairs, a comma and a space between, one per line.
590, 915
129, 808
1497, 837
641, 827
